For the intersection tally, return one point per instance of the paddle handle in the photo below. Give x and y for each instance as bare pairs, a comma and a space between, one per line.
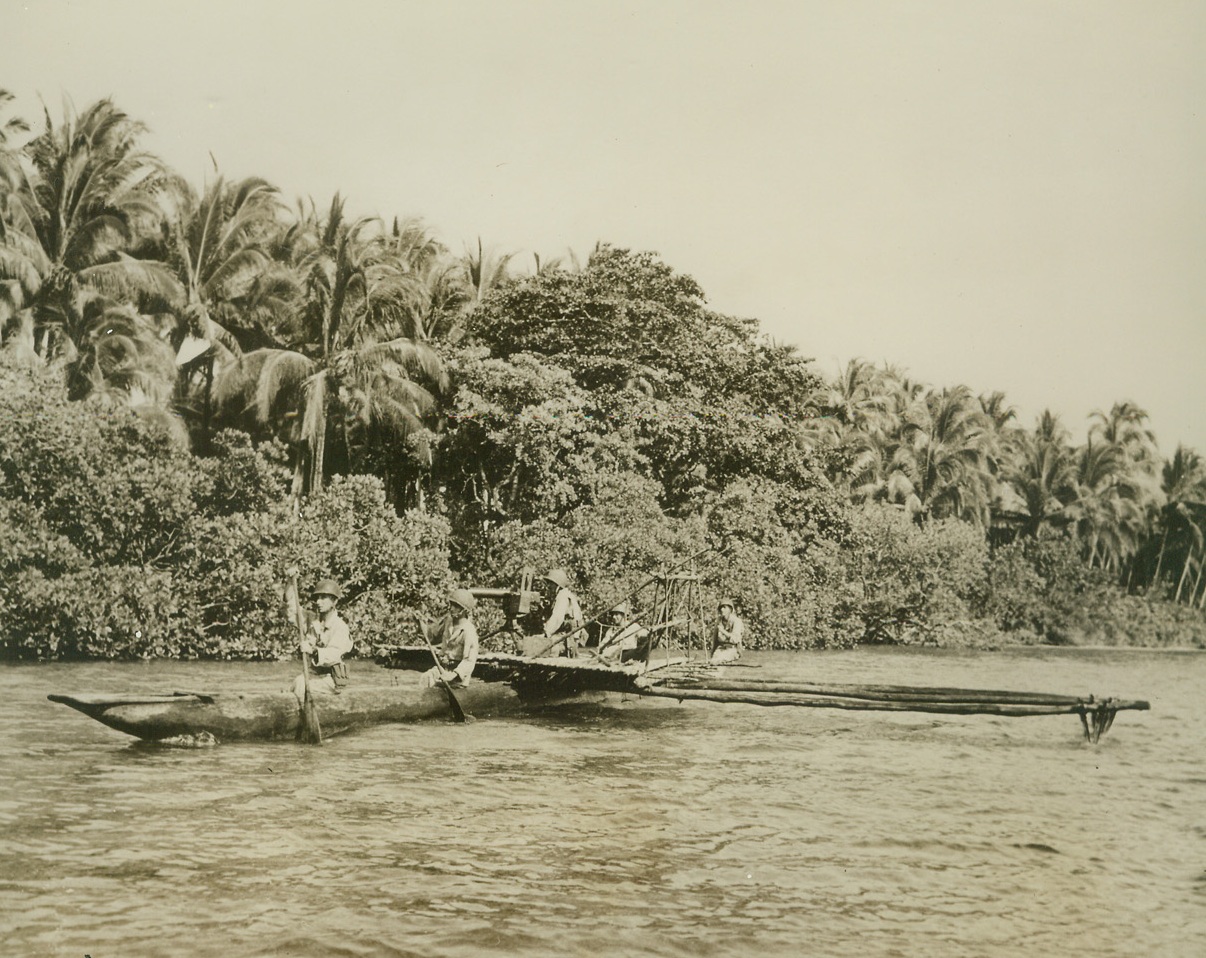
300, 621
293, 600
458, 713
431, 648
311, 730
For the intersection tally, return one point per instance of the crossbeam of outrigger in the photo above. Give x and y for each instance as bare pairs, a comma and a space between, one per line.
1096, 715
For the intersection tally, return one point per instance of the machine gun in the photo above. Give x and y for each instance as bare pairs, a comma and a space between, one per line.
517, 604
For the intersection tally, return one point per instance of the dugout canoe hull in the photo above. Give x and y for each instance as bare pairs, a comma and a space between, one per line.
276, 715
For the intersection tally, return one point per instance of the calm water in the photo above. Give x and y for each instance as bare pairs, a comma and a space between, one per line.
695, 829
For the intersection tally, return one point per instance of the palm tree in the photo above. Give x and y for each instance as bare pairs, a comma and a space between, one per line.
1109, 504
442, 292
91, 201
1126, 428
851, 418
1120, 488
877, 474
219, 248
19, 278
351, 368
232, 291
484, 271
902, 392
858, 398
1182, 520
1040, 468
944, 455
120, 352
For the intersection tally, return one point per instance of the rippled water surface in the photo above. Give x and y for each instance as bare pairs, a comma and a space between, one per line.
639, 829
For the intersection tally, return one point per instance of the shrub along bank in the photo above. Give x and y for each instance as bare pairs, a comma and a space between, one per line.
116, 542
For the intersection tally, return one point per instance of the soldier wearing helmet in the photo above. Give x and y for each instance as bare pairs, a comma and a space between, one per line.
327, 640
566, 615
727, 639
620, 638
458, 643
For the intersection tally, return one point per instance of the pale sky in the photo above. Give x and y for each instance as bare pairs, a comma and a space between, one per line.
1009, 194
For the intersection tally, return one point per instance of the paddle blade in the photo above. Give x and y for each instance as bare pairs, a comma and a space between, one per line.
458, 713
310, 731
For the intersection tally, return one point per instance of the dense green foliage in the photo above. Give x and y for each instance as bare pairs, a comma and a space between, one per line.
116, 542
200, 390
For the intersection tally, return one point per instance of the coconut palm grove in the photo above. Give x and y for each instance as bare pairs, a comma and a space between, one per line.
204, 385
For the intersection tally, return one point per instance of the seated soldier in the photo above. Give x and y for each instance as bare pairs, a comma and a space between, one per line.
458, 643
559, 633
327, 640
620, 638
728, 639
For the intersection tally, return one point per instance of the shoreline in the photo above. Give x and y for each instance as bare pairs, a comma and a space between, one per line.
1102, 648
989, 650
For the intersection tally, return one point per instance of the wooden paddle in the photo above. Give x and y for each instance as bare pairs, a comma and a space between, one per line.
458, 713
310, 731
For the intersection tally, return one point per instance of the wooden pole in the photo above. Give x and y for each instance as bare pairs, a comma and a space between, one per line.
870, 692
310, 731
885, 705
458, 713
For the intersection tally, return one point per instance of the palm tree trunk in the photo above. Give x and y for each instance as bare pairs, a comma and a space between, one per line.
299, 479
20, 336
1184, 575
207, 405
1160, 560
1198, 581
318, 462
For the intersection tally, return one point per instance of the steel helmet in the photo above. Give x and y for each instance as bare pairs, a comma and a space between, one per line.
464, 598
327, 587
726, 601
558, 577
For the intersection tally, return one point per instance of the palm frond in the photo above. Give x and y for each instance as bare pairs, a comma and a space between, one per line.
22, 262
126, 277
96, 240
235, 275
395, 416
282, 375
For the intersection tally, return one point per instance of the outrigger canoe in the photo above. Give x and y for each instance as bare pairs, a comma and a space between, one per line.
276, 715
509, 683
